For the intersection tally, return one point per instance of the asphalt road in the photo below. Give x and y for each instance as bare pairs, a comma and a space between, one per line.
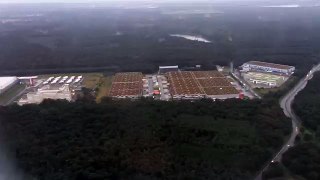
246, 85
285, 104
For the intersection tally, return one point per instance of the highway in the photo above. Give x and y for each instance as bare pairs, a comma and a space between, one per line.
286, 105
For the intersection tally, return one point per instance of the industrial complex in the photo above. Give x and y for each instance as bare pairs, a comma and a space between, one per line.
52, 88
170, 83
47, 92
173, 85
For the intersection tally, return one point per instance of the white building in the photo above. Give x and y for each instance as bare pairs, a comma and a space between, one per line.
7, 82
268, 67
165, 69
46, 92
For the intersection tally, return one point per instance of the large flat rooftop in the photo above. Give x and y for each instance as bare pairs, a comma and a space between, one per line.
272, 65
197, 83
126, 84
6, 81
194, 84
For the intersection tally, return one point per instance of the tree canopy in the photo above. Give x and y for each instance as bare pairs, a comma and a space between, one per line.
144, 139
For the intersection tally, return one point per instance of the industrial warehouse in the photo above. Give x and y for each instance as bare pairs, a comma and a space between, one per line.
265, 75
170, 83
175, 85
127, 85
53, 88
7, 82
200, 84
268, 67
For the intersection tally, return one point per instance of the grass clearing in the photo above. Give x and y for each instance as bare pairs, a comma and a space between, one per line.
104, 87
92, 80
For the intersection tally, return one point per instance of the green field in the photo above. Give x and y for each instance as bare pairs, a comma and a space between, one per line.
104, 87
11, 93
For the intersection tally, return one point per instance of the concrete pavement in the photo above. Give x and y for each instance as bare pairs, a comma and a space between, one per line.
246, 85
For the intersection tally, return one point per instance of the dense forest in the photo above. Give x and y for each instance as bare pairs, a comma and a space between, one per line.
144, 139
62, 38
307, 104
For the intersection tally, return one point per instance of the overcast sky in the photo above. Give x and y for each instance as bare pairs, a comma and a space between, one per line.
73, 1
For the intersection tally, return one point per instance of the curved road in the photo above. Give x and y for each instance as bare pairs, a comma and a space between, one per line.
285, 104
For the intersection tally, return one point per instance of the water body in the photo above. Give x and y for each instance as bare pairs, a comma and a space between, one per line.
192, 38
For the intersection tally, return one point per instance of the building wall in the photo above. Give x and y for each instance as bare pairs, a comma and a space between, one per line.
187, 97
126, 97
264, 68
165, 70
225, 96
268, 83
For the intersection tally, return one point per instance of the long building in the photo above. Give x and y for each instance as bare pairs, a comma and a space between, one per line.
165, 69
7, 82
268, 67
47, 92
